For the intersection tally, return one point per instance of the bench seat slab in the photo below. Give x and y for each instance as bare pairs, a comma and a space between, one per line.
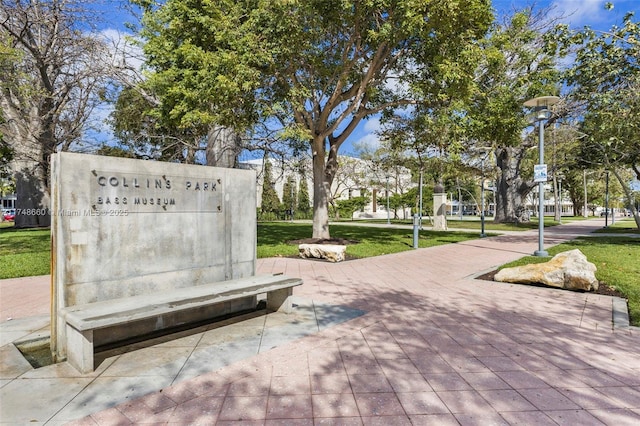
82, 321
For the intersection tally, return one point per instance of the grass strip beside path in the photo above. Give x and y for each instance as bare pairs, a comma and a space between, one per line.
621, 226
274, 238
616, 259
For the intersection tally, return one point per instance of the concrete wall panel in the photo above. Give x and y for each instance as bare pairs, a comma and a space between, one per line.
124, 227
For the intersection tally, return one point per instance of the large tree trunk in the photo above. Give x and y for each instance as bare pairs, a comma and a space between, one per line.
33, 199
511, 188
576, 194
32, 150
577, 207
323, 174
321, 193
223, 146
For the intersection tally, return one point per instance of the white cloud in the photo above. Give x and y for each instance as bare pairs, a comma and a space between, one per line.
372, 125
364, 139
367, 133
370, 140
99, 130
580, 13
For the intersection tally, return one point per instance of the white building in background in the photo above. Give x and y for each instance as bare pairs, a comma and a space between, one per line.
8, 202
7, 196
358, 177
355, 177
566, 206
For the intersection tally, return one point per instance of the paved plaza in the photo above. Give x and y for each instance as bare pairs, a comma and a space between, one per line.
410, 338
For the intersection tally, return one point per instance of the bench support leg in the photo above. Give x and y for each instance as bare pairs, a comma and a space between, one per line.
80, 349
280, 300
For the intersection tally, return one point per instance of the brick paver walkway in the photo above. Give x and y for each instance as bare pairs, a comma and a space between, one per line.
435, 347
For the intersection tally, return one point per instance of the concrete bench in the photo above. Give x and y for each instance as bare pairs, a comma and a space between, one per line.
91, 325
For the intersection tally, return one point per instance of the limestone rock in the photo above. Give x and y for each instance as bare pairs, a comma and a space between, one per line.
330, 252
569, 269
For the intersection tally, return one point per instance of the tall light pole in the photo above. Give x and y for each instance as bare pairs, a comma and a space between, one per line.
387, 191
541, 112
459, 199
485, 151
420, 203
482, 234
606, 202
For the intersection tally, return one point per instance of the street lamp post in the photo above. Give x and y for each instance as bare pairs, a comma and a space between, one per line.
482, 234
420, 203
541, 112
459, 199
606, 202
387, 191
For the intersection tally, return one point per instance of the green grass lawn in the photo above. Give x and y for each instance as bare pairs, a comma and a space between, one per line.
490, 226
621, 226
617, 260
24, 252
273, 238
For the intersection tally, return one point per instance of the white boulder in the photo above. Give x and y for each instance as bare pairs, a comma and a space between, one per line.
569, 269
330, 252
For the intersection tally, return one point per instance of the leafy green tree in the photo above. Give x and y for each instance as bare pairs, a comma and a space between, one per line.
346, 208
517, 65
403, 201
316, 68
429, 140
139, 130
270, 202
412, 199
289, 195
605, 80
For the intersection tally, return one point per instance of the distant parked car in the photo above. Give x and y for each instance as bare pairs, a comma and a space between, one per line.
9, 215
603, 213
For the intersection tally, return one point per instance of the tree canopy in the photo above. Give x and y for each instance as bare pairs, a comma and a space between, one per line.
517, 64
604, 83
311, 70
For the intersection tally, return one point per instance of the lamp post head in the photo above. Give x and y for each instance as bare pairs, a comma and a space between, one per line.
540, 107
542, 102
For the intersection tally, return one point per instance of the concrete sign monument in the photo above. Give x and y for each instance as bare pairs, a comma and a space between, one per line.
123, 228
439, 208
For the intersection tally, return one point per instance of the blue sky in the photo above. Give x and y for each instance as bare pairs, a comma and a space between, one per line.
576, 13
